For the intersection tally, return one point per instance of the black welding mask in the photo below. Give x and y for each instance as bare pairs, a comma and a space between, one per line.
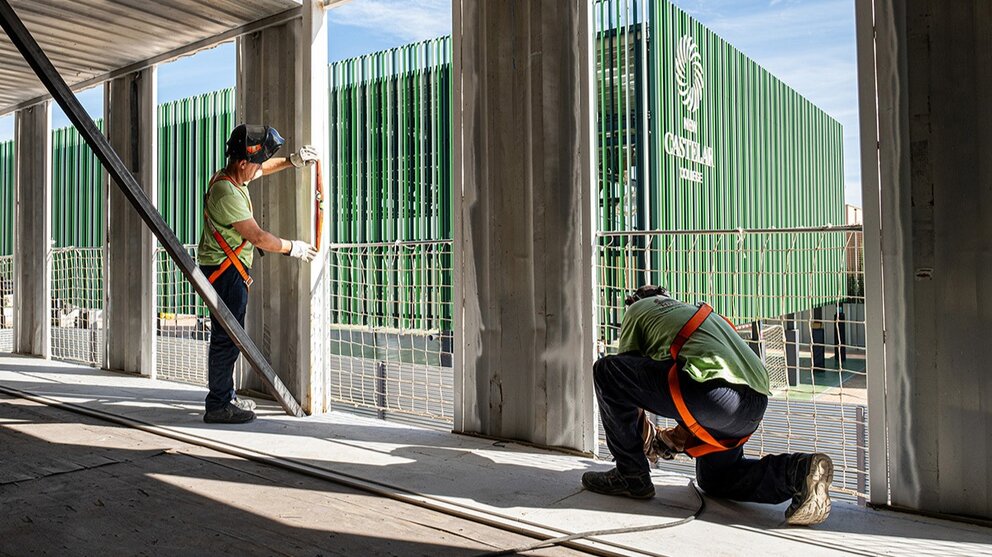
646, 291
253, 143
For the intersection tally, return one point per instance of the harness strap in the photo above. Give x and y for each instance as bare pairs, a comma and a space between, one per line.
704, 442
232, 254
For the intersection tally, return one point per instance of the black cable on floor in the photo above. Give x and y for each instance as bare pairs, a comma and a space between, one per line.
595, 533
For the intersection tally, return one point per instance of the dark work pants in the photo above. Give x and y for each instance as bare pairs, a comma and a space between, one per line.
223, 352
627, 383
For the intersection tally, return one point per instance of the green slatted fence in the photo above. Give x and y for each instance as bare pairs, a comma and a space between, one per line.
6, 198
6, 246
389, 205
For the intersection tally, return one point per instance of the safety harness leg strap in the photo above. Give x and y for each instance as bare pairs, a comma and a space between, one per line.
706, 443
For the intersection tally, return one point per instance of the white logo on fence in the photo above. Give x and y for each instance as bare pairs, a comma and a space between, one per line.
689, 85
689, 73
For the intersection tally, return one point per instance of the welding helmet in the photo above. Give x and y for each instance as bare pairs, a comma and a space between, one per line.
253, 143
646, 291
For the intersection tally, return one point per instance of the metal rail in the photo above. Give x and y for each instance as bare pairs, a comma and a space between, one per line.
791, 230
49, 76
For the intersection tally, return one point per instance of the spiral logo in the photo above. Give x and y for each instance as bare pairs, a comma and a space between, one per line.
689, 73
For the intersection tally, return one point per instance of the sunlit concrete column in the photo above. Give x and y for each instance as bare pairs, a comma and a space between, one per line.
282, 82
522, 235
926, 81
32, 230
130, 103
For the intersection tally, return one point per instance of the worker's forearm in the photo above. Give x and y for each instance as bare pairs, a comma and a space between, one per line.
270, 242
275, 164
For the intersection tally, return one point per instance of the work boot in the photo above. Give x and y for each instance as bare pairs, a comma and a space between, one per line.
244, 403
229, 414
613, 483
811, 504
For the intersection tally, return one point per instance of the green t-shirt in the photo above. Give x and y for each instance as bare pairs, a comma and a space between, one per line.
714, 351
226, 203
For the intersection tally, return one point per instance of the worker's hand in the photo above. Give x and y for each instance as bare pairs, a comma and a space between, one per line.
301, 250
666, 443
306, 155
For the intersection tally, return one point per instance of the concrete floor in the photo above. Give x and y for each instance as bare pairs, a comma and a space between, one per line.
532, 487
74, 485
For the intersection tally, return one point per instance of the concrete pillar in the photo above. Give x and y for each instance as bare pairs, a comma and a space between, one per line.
130, 103
33, 230
282, 82
928, 188
523, 228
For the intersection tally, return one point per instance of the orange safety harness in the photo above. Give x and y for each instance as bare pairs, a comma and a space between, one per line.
232, 254
703, 443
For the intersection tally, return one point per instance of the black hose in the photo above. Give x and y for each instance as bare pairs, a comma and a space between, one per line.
597, 533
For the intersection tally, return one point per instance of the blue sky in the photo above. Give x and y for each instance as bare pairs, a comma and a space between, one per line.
809, 44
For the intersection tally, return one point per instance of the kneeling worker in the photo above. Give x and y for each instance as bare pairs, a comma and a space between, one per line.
226, 251
686, 363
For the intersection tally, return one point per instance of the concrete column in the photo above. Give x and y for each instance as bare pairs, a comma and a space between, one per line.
282, 82
523, 228
33, 230
933, 76
130, 103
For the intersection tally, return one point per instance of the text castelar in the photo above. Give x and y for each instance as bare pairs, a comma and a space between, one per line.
685, 148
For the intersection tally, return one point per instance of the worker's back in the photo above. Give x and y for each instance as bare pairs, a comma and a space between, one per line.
715, 350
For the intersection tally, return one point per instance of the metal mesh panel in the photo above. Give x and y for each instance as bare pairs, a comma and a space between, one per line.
183, 325
390, 335
820, 399
6, 303
77, 305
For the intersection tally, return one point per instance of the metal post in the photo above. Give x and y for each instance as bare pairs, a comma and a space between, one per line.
50, 77
875, 365
380, 389
861, 448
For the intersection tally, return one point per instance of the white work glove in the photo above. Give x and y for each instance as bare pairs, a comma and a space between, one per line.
306, 155
301, 250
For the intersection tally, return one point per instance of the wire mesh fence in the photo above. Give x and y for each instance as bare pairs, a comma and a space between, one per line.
796, 297
183, 325
77, 305
6, 303
390, 333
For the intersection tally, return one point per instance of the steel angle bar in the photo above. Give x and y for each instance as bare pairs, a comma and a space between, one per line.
48, 75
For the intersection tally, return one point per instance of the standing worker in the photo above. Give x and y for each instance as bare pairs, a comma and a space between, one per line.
686, 363
226, 251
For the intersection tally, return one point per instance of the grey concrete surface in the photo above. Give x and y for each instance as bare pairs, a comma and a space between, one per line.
32, 229
931, 78
131, 107
513, 481
522, 221
72, 485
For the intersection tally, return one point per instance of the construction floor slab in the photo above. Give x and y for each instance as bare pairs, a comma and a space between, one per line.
73, 485
506, 480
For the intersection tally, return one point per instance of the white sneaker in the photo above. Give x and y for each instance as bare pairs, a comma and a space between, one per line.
812, 504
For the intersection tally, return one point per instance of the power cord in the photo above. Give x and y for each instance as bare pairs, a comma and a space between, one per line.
597, 533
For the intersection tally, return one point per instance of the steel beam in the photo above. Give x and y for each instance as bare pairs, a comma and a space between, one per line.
50, 77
